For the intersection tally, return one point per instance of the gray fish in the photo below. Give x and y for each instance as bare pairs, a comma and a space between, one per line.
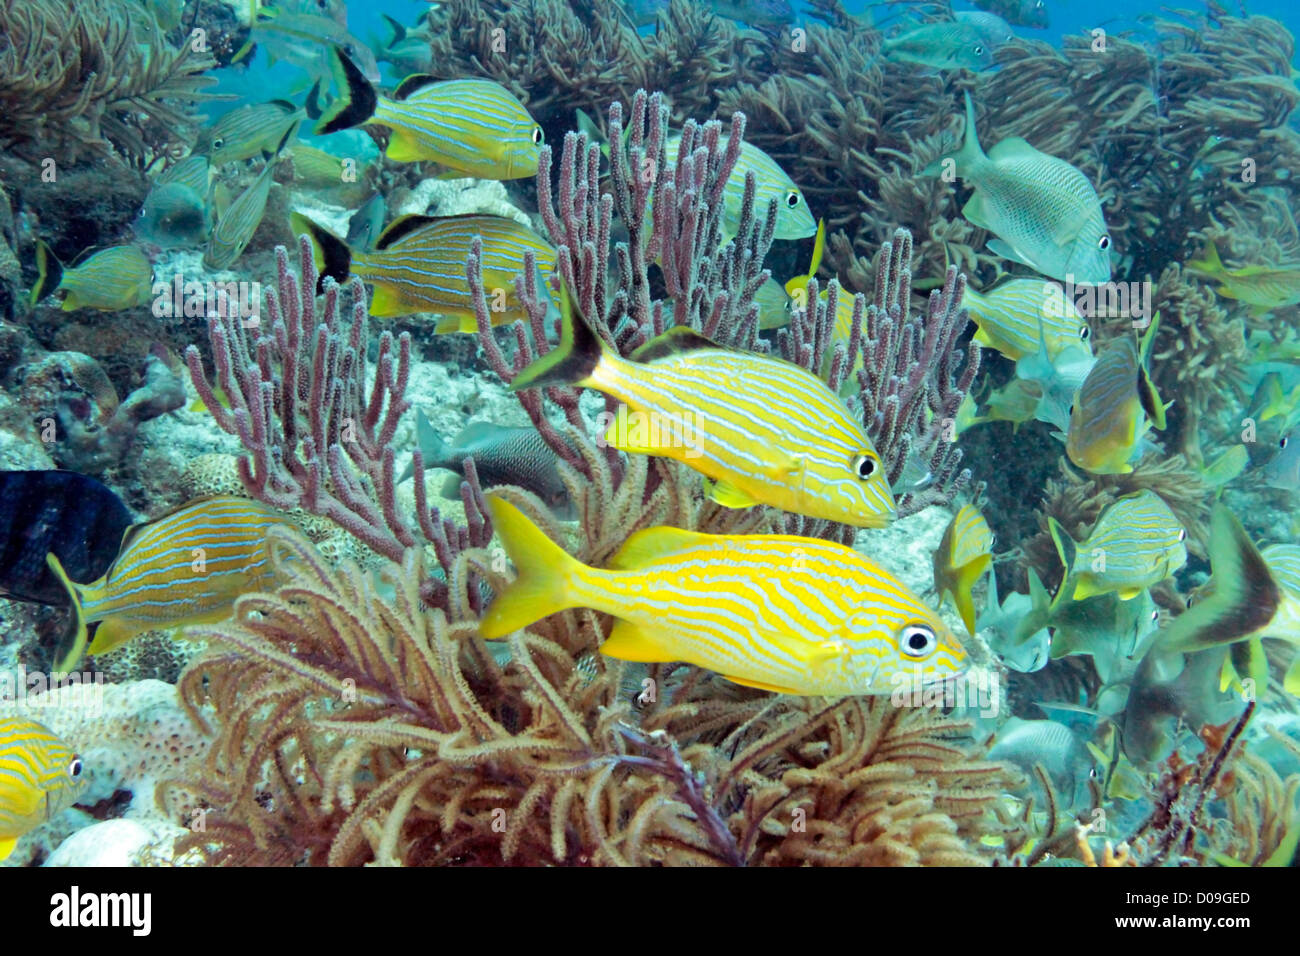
366, 223
1023, 13
1061, 752
1015, 628
944, 46
503, 456
995, 31
174, 216
1283, 469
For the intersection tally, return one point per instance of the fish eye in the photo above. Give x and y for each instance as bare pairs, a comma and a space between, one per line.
218, 143
1071, 412
1103, 243
864, 466
1084, 332
75, 768
537, 136
1155, 615
979, 50
1182, 534
918, 641
792, 198
1283, 443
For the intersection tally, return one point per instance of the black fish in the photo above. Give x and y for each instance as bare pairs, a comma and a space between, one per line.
503, 456
77, 518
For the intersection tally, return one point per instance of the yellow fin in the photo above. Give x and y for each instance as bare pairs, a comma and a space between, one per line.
627, 642
546, 573
1291, 682
388, 302
647, 546
727, 494
112, 633
630, 432
403, 148
1084, 589
774, 688
73, 644
7, 845
1128, 594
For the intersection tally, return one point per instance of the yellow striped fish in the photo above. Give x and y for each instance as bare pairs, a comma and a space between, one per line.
1012, 317
782, 613
40, 777
186, 567
418, 265
474, 126
248, 131
765, 430
961, 559
238, 223
193, 172
1136, 543
797, 290
109, 280
793, 218
1115, 406
1263, 288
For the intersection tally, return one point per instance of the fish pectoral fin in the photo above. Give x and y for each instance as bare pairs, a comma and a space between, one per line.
1128, 594
1000, 247
760, 685
7, 845
628, 642
403, 148
727, 494
111, 634
387, 303
631, 431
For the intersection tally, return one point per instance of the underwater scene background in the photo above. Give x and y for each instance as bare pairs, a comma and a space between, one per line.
568, 432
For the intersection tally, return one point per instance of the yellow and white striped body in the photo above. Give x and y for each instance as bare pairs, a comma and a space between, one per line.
797, 615
474, 126
1012, 317
117, 278
39, 776
1137, 543
771, 431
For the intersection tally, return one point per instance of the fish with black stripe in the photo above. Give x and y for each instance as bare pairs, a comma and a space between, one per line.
474, 126
778, 612
764, 430
186, 567
418, 265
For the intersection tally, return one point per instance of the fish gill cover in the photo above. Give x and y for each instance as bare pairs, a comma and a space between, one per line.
719, 501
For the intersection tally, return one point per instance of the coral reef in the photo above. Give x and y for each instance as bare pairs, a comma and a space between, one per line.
92, 76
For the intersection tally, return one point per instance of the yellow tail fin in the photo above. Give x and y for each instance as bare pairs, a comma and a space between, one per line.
73, 644
546, 574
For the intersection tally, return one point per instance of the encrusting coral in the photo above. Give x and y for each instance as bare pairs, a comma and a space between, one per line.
359, 717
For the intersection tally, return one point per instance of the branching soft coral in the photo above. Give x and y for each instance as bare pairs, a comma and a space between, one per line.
76, 75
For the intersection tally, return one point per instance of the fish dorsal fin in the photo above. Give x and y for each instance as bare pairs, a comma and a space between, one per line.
413, 84
402, 227
675, 341
650, 544
1014, 147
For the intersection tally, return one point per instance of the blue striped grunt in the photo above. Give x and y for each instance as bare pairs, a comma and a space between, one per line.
474, 126
418, 265
1136, 543
40, 776
961, 559
110, 280
248, 131
1044, 212
765, 430
237, 224
186, 567
1114, 407
781, 613
1014, 316
1263, 288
